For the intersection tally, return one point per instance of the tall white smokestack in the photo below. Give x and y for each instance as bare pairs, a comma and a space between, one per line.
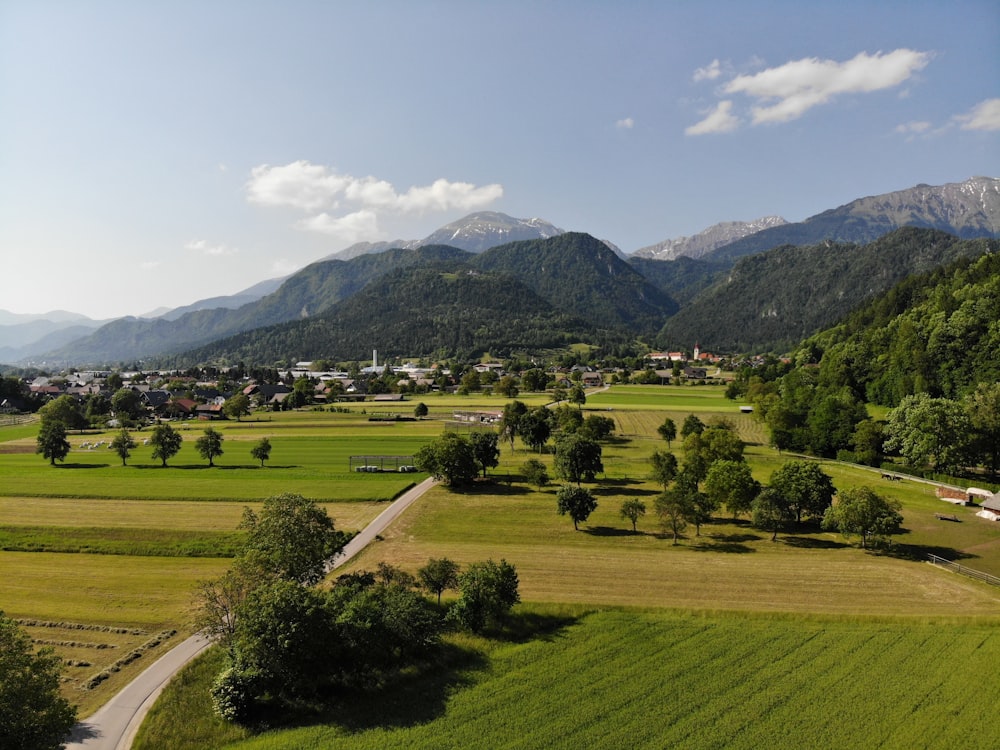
374, 359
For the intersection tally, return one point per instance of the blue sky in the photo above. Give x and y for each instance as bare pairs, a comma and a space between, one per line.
154, 154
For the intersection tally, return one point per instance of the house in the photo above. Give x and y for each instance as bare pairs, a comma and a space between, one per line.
208, 411
592, 379
697, 373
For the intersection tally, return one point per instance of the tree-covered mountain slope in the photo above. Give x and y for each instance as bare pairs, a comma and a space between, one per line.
313, 289
773, 300
582, 276
444, 310
937, 332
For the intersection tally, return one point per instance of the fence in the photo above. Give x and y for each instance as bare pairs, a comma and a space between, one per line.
970, 572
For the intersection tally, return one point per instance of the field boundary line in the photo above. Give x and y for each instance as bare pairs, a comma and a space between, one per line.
963, 570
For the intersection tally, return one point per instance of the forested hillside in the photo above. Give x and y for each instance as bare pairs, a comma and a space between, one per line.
581, 275
443, 310
937, 332
773, 300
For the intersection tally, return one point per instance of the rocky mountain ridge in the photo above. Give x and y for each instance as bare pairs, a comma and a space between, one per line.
706, 241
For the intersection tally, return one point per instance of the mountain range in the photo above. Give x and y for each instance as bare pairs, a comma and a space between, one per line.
579, 276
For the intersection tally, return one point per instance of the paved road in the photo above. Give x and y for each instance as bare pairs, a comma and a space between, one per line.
114, 726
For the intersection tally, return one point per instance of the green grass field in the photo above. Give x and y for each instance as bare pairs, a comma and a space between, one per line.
807, 587
655, 679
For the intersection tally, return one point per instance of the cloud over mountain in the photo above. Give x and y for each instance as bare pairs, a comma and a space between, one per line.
349, 207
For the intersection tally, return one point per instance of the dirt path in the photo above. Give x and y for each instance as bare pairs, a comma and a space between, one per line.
115, 724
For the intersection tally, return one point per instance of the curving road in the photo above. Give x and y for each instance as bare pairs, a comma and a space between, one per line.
115, 724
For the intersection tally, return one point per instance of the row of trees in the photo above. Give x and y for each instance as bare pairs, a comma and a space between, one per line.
289, 643
53, 445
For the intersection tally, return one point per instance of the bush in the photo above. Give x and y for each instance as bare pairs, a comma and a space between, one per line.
233, 694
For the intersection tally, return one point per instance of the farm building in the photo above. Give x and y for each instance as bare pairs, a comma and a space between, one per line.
991, 508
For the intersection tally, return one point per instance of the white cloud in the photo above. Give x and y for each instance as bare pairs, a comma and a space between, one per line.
360, 225
984, 116
349, 207
709, 73
149, 265
300, 184
625, 124
207, 248
719, 120
914, 127
789, 91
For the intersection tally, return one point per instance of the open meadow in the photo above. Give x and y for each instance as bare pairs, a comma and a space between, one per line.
725, 639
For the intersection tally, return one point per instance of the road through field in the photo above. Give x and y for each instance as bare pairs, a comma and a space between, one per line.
115, 724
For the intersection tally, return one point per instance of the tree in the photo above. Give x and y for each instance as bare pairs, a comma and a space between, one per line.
122, 444
450, 458
664, 468
261, 450
488, 591
806, 489
534, 471
219, 600
420, 410
292, 538
674, 508
933, 432
862, 511
667, 430
485, 449
730, 483
209, 445
33, 716
983, 407
439, 574
597, 427
166, 442
236, 406
691, 425
771, 511
867, 442
577, 458
578, 502
534, 380
126, 405
577, 395
534, 428
507, 387
65, 410
633, 510
510, 422
51, 441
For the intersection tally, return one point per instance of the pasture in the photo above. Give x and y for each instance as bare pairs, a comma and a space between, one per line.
730, 574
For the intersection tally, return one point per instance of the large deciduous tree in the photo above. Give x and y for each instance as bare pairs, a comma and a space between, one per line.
122, 444
209, 445
236, 406
807, 490
577, 502
731, 484
577, 458
488, 591
51, 441
667, 430
863, 512
166, 442
485, 449
674, 508
292, 537
261, 450
771, 511
928, 431
33, 715
664, 468
450, 458
534, 427
65, 410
